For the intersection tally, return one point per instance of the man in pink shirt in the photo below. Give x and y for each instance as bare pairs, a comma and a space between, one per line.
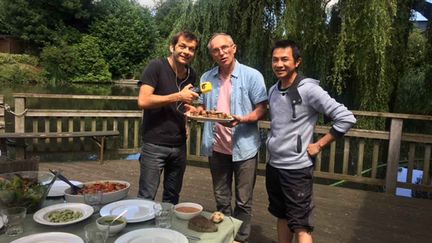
232, 148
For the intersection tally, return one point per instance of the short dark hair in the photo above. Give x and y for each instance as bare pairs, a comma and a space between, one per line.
186, 34
287, 44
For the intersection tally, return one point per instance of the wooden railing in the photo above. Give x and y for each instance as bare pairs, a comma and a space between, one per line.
71, 120
363, 156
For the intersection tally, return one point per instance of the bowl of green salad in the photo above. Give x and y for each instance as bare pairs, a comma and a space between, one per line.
25, 189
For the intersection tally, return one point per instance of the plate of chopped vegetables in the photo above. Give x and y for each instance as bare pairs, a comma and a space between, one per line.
63, 214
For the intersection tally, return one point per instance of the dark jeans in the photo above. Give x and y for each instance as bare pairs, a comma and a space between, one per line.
157, 158
223, 169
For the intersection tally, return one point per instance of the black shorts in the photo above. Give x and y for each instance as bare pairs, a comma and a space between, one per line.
290, 196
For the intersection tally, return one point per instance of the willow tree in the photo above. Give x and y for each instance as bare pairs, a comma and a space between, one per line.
361, 61
250, 23
305, 22
428, 75
399, 63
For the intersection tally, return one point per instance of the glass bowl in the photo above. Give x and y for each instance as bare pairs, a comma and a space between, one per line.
25, 189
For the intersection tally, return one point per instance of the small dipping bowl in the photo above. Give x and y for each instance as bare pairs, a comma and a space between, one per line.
187, 210
117, 226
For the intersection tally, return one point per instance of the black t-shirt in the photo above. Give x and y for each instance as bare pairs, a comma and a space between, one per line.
164, 125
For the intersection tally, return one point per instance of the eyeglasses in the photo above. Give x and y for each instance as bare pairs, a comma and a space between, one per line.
223, 48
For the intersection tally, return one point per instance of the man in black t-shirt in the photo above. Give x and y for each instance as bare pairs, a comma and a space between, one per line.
165, 86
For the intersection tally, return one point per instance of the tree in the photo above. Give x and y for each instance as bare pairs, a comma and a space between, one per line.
305, 22
46, 22
250, 23
361, 55
127, 35
80, 62
167, 14
398, 55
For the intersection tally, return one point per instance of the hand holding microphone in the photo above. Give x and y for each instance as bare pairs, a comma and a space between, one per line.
187, 95
204, 88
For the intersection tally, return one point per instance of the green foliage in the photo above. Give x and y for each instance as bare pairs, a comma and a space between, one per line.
401, 29
167, 21
413, 93
167, 15
127, 35
362, 54
46, 22
250, 23
18, 59
415, 52
304, 22
21, 69
20, 73
81, 62
90, 65
3, 24
412, 96
428, 61
361, 60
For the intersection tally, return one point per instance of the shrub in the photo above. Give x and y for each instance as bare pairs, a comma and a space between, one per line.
127, 35
6, 58
17, 68
82, 62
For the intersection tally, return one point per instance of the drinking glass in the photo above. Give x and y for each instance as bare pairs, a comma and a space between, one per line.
94, 199
93, 234
13, 219
163, 214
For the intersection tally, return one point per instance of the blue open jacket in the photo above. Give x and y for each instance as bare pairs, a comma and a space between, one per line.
248, 89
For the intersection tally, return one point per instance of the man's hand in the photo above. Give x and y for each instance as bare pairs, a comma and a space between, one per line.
186, 95
237, 120
189, 109
314, 149
192, 109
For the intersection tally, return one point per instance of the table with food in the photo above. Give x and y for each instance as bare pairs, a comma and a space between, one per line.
58, 212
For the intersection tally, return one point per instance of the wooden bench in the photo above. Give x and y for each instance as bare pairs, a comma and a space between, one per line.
98, 137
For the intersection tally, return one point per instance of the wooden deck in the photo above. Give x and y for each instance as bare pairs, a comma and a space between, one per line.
341, 215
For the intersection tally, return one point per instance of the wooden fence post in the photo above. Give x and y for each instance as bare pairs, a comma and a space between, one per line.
393, 155
20, 125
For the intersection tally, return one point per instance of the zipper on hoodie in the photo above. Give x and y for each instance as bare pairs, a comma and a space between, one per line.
299, 143
294, 116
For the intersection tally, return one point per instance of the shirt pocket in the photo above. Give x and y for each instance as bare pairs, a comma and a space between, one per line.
301, 111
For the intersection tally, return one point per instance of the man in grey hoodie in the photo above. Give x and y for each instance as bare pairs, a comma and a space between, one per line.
295, 105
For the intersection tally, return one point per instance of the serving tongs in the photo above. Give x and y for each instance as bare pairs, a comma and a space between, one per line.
74, 188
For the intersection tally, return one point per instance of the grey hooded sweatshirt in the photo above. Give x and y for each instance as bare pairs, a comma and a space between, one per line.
294, 113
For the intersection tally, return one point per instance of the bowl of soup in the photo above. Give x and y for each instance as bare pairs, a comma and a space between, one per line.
187, 210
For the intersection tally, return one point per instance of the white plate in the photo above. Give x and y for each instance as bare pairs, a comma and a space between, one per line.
1, 222
150, 235
138, 209
58, 188
50, 237
41, 216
